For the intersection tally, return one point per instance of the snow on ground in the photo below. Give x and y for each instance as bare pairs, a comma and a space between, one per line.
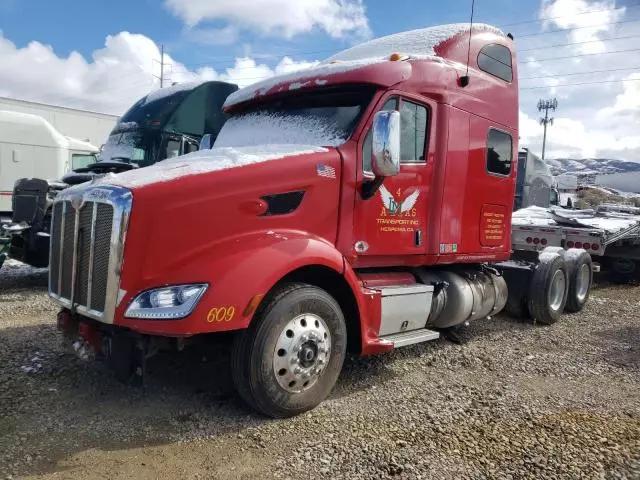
14, 268
202, 161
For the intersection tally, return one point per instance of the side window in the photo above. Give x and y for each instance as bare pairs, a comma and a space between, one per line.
496, 60
173, 148
413, 128
499, 152
190, 115
391, 104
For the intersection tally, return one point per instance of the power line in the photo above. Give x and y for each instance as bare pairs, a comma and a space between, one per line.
581, 73
313, 52
212, 64
561, 45
559, 30
584, 83
535, 60
565, 16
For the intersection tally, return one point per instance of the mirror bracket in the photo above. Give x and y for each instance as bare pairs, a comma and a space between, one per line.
370, 187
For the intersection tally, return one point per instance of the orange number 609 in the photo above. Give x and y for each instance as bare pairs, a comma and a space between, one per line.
221, 314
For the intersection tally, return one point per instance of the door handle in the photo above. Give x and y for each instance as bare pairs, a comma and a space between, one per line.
417, 237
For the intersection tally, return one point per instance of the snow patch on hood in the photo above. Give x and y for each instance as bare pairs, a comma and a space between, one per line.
266, 129
204, 161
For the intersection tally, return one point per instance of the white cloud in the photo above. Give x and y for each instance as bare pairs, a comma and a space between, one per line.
596, 120
284, 18
213, 36
115, 77
587, 19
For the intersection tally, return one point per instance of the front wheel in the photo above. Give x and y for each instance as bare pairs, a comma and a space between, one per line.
288, 361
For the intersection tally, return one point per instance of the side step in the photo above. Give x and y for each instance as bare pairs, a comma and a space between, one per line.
409, 338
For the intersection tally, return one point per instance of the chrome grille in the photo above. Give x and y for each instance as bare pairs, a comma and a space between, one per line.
86, 249
101, 243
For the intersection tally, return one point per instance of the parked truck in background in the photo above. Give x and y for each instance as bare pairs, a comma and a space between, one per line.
163, 124
361, 205
30, 146
534, 182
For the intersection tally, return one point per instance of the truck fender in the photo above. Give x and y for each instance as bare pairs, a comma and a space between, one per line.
250, 267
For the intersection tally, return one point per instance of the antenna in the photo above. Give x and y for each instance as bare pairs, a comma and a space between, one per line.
464, 81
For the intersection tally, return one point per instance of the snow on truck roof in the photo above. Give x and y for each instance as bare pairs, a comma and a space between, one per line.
418, 44
31, 129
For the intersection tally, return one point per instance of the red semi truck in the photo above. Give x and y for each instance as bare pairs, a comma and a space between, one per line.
361, 205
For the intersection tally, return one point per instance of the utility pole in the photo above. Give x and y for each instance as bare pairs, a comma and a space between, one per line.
546, 105
162, 66
162, 71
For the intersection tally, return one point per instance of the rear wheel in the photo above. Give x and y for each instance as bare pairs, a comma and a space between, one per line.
623, 270
548, 290
580, 281
288, 361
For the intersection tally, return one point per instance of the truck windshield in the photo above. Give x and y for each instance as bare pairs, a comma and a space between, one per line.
322, 117
126, 147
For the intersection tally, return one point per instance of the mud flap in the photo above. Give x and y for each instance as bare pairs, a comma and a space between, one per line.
127, 357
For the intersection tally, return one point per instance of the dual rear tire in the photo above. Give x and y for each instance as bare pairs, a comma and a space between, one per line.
561, 282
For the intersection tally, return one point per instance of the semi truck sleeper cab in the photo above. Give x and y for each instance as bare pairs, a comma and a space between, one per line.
363, 204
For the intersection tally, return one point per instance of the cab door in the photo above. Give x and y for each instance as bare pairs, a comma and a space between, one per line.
393, 221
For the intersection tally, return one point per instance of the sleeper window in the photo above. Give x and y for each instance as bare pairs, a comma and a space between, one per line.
499, 152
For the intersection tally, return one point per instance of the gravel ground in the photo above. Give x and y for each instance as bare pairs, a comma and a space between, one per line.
515, 401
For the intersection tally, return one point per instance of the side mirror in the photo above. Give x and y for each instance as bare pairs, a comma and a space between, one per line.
206, 142
385, 145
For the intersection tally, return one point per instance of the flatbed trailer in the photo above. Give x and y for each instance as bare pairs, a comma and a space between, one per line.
611, 237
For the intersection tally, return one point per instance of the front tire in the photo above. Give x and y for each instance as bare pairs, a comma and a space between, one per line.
288, 361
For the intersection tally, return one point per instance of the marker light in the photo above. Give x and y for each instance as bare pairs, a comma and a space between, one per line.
166, 302
394, 57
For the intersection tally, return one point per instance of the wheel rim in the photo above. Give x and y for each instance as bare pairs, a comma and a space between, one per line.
582, 282
302, 352
556, 292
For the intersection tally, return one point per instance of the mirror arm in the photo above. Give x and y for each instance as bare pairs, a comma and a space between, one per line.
370, 187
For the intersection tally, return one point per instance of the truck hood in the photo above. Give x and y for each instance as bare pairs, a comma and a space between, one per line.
205, 161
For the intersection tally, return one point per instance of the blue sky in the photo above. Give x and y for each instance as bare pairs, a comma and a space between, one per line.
72, 25
103, 56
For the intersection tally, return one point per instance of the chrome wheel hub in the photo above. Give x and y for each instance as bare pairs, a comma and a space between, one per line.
302, 352
556, 292
582, 282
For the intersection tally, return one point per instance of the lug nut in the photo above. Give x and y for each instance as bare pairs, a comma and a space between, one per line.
296, 370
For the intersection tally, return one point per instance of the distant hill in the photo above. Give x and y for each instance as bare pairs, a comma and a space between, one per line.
592, 166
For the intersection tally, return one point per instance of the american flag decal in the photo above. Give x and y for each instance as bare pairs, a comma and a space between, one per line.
325, 171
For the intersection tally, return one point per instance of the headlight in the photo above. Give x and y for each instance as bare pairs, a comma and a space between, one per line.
166, 302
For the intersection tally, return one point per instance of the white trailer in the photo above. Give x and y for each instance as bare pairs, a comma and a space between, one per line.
31, 147
92, 127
